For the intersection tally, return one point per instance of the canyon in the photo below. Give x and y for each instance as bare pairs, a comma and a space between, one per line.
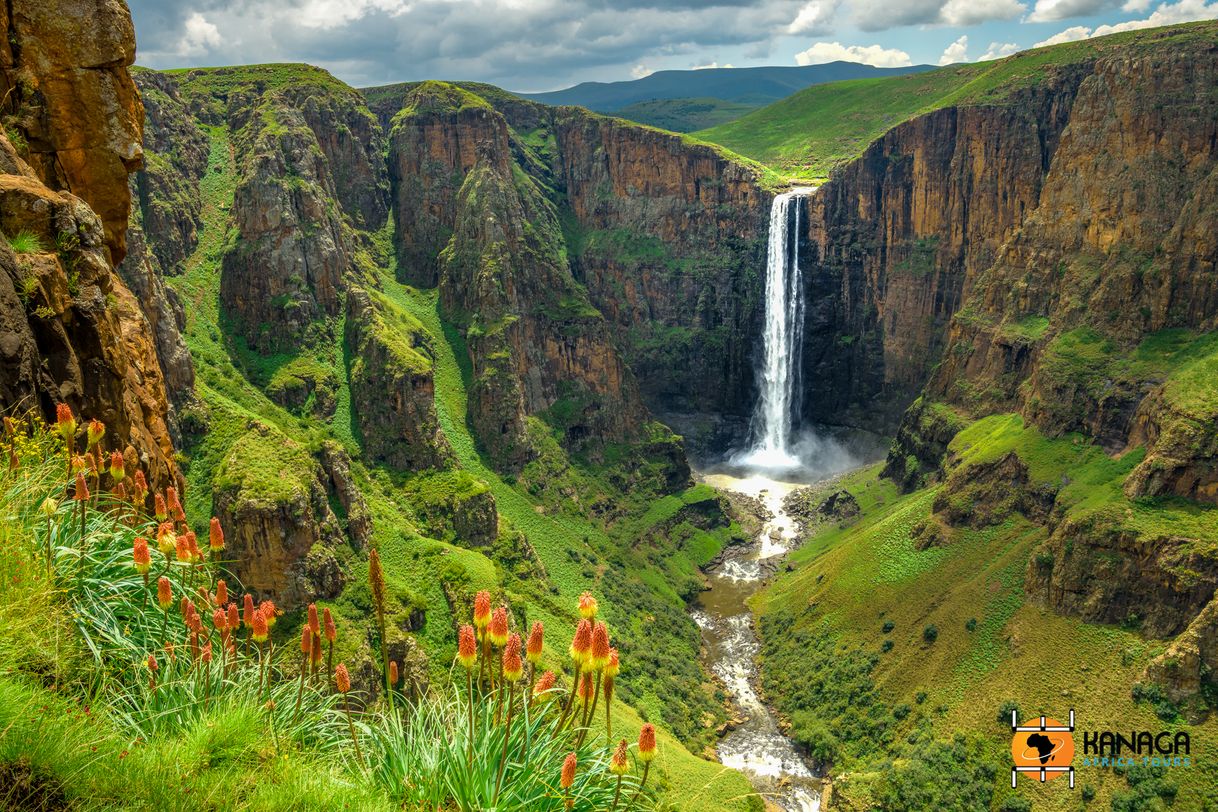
464, 328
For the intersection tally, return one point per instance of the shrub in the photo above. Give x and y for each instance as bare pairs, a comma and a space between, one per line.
886, 646
1005, 710
1088, 793
889, 626
1014, 803
970, 624
931, 633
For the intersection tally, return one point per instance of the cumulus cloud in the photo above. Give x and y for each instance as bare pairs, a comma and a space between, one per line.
1184, 11
876, 55
198, 36
880, 15
711, 65
998, 50
813, 18
956, 52
1047, 11
640, 72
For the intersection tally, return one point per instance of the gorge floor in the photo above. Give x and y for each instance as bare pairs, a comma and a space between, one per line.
756, 745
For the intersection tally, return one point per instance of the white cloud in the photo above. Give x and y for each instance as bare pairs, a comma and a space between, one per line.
198, 36
1184, 11
640, 72
711, 65
1071, 34
956, 52
1047, 11
876, 55
1136, 6
972, 12
998, 50
880, 15
334, 13
813, 18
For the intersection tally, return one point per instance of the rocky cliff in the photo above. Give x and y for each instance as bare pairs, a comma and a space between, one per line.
71, 329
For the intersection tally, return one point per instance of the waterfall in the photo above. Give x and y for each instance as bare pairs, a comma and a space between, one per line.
778, 375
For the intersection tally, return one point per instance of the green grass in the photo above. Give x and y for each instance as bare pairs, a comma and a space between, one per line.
685, 115
877, 698
811, 133
24, 242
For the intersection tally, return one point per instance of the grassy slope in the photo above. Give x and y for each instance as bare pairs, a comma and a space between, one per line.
229, 379
685, 115
849, 581
812, 132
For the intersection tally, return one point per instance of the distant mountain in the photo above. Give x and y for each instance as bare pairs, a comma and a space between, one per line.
694, 90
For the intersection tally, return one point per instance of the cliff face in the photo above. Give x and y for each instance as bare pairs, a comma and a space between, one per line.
536, 343
671, 249
894, 243
70, 330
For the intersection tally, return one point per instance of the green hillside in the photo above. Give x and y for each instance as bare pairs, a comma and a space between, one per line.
807, 135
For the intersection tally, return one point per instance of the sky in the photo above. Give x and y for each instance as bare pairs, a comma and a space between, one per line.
536, 45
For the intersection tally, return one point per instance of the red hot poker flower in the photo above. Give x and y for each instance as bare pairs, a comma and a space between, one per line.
95, 431
331, 632
65, 422
587, 606
498, 631
568, 771
342, 679
247, 611
164, 593
467, 647
599, 656
482, 610
314, 626
158, 509
260, 631
647, 743
81, 494
581, 644
118, 467
618, 764
544, 683
233, 620
613, 667
143, 559
215, 535
513, 668
269, 611
221, 593
306, 641
393, 672
533, 648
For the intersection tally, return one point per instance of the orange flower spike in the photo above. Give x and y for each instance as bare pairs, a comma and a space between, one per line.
342, 679
221, 593
206, 656
220, 620
270, 612
164, 593
315, 654
513, 668
192, 546
328, 619
581, 644
314, 625
95, 432
618, 765
175, 507
306, 641
158, 509
81, 493
647, 743
143, 559
247, 611
498, 631
587, 606
233, 620
141, 489
613, 666
467, 647
393, 672
118, 467
568, 771
261, 633
65, 422
482, 610
215, 535
152, 664
533, 648
599, 657
544, 683
182, 547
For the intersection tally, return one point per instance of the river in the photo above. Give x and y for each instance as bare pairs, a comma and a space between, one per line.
756, 746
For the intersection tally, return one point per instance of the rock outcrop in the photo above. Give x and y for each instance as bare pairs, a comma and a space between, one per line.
392, 391
280, 533
66, 89
70, 330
